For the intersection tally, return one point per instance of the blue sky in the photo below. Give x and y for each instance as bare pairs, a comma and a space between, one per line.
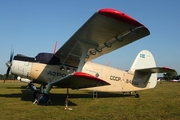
33, 26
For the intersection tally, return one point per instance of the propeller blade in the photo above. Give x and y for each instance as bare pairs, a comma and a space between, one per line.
7, 73
9, 63
11, 56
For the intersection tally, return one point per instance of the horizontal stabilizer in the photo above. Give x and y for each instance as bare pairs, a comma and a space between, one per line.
79, 80
156, 70
144, 76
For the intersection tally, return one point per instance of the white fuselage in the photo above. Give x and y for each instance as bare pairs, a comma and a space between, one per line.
120, 81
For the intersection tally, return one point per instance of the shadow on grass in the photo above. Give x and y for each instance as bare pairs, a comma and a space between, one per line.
59, 99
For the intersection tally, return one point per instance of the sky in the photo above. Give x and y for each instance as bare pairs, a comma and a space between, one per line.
33, 26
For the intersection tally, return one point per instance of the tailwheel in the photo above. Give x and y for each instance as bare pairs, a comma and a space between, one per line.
137, 95
43, 98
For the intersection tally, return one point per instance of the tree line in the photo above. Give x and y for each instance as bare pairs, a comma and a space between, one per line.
10, 77
169, 76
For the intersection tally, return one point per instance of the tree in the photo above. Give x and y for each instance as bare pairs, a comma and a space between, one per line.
1, 77
10, 77
169, 76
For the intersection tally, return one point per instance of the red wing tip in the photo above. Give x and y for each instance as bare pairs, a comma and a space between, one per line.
84, 74
120, 16
167, 68
110, 10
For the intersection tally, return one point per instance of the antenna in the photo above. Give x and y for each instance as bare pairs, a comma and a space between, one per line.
55, 47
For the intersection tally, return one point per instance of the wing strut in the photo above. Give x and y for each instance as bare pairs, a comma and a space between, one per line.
84, 55
82, 59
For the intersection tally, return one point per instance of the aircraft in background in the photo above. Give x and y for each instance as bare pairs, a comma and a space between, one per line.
174, 80
71, 66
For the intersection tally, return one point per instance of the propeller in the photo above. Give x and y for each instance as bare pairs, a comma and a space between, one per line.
9, 64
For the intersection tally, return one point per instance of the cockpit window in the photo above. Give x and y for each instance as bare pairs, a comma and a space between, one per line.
47, 58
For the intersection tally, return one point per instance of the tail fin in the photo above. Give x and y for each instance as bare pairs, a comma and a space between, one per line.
144, 60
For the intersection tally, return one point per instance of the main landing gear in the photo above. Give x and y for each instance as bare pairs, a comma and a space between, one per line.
136, 94
41, 96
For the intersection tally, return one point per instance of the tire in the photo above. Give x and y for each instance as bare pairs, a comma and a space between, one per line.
137, 96
43, 98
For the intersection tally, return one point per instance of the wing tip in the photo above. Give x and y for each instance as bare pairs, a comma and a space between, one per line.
82, 74
168, 68
120, 16
89, 76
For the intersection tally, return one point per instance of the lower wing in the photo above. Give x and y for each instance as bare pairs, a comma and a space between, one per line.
79, 80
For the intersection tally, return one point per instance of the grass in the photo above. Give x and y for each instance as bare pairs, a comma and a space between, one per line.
162, 102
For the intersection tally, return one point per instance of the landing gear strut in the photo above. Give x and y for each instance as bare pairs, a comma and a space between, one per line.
42, 96
35, 94
67, 101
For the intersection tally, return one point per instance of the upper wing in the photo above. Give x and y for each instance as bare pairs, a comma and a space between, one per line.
105, 31
79, 80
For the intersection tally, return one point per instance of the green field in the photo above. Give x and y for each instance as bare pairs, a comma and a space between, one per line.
162, 102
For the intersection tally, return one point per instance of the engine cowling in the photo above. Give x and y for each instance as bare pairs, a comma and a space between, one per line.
21, 68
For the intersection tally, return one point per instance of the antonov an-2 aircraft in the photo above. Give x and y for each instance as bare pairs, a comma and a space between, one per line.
71, 66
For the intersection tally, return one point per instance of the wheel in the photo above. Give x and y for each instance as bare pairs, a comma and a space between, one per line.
35, 94
137, 96
43, 98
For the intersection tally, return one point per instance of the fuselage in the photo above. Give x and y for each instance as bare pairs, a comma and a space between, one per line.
120, 81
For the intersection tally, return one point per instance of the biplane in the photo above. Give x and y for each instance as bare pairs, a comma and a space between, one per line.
71, 65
